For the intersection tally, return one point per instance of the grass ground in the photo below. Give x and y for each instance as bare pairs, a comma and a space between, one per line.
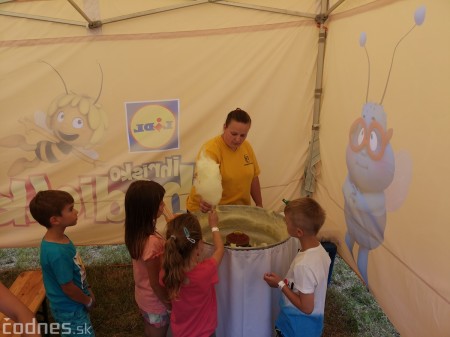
350, 309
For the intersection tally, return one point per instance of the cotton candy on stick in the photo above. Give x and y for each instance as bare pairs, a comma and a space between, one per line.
208, 181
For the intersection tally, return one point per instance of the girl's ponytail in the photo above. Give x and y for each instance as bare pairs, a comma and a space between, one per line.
182, 237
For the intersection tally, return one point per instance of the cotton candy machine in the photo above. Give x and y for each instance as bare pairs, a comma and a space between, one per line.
264, 228
247, 306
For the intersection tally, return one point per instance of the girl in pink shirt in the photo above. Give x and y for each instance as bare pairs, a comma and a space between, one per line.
189, 281
143, 205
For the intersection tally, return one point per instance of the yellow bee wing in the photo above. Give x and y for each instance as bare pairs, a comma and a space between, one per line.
88, 152
88, 155
39, 126
40, 119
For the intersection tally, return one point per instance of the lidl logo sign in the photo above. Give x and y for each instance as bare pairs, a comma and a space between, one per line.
152, 125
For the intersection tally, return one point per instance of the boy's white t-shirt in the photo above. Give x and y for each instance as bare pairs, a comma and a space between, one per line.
308, 274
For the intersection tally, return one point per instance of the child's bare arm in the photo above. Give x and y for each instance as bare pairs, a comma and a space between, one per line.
303, 302
219, 249
153, 269
13, 308
91, 293
77, 295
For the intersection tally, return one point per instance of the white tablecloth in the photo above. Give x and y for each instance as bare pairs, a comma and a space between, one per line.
247, 306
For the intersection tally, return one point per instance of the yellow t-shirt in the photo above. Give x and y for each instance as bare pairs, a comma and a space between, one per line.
237, 168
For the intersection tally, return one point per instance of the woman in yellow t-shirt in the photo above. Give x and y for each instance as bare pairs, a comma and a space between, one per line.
238, 166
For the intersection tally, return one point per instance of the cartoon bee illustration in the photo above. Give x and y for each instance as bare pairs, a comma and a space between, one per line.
73, 124
378, 179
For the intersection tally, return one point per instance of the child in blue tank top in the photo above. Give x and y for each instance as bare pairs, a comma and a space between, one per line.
70, 296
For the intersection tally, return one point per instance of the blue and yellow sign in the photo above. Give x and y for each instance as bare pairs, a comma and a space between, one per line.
152, 125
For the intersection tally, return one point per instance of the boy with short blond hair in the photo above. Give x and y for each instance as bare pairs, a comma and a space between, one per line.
304, 289
67, 290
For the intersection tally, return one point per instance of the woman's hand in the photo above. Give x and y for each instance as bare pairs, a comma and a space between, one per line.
205, 207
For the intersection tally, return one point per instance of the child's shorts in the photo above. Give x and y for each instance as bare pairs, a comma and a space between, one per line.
74, 323
156, 320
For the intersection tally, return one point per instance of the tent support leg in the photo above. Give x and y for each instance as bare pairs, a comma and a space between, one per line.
309, 182
311, 169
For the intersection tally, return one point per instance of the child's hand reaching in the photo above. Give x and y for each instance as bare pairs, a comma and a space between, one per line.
272, 279
213, 219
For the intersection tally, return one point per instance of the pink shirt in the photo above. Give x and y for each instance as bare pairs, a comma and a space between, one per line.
143, 292
194, 314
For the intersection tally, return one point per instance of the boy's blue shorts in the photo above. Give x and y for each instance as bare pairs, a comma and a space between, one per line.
74, 323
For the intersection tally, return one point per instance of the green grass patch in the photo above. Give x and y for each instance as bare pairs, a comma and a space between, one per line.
351, 310
116, 313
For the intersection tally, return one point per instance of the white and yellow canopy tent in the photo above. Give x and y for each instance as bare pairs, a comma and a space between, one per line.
148, 82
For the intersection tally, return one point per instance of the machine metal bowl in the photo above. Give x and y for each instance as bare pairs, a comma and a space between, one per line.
265, 228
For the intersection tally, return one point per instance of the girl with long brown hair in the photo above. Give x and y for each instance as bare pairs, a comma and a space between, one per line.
143, 206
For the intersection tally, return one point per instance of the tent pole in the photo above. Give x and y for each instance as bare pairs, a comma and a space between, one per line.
91, 24
154, 11
42, 18
263, 8
309, 182
336, 5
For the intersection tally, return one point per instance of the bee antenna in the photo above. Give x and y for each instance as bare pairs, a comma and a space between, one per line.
64, 83
392, 62
101, 84
362, 43
368, 75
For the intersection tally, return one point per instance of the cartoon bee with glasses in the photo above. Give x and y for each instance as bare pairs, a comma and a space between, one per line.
377, 179
73, 125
